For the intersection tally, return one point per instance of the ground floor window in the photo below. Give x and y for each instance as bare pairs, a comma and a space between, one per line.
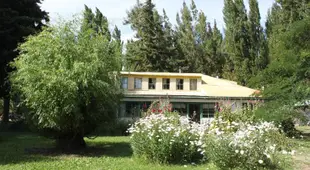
180, 108
208, 110
247, 106
133, 109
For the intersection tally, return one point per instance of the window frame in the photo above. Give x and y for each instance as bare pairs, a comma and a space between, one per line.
153, 83
190, 84
208, 112
164, 83
178, 86
135, 84
124, 78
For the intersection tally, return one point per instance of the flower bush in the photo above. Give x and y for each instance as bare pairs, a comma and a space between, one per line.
245, 145
232, 141
167, 138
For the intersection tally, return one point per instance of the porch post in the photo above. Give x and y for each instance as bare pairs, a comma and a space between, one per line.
201, 110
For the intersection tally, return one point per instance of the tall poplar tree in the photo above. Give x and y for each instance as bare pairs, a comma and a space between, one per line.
96, 22
258, 49
186, 39
237, 44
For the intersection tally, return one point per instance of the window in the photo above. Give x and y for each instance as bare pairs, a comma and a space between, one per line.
166, 84
152, 83
133, 109
138, 83
247, 106
180, 83
193, 84
180, 108
125, 82
208, 110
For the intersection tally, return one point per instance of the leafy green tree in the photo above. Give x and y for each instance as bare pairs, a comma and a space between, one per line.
69, 80
286, 81
18, 19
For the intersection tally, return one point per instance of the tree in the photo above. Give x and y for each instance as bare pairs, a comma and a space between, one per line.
258, 49
217, 55
186, 41
96, 21
237, 44
18, 19
153, 49
69, 80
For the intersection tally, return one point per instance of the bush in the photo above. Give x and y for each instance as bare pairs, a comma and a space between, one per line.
166, 139
244, 145
289, 129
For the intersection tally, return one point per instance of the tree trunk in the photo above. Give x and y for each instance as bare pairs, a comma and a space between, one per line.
6, 109
70, 142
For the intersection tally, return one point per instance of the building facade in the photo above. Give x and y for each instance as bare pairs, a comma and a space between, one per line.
189, 93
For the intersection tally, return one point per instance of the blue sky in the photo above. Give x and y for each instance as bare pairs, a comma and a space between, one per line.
115, 10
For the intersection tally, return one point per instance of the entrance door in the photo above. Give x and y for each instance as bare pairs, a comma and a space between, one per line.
194, 112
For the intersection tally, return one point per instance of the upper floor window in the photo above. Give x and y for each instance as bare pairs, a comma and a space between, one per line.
193, 84
180, 84
125, 82
166, 84
138, 83
152, 83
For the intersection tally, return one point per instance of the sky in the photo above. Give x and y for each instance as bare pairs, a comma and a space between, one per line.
115, 10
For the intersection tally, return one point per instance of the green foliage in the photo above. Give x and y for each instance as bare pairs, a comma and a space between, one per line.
193, 46
68, 79
18, 19
233, 142
165, 139
153, 48
286, 80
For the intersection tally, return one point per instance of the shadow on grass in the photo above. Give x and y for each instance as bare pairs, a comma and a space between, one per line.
12, 146
120, 149
27, 147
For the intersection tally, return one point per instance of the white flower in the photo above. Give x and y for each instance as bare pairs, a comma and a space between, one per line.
237, 151
185, 166
260, 161
284, 152
293, 152
241, 152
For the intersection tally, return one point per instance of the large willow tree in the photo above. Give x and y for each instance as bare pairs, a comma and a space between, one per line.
68, 79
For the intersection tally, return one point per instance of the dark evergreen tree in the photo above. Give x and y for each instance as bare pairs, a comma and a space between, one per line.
18, 19
153, 49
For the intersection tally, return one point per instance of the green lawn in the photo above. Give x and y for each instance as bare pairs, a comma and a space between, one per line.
18, 151
104, 153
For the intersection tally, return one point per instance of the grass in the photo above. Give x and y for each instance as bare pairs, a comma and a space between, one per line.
302, 158
103, 153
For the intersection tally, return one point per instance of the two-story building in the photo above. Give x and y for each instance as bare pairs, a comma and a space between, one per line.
188, 93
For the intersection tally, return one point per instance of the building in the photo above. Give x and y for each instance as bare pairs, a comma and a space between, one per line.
188, 93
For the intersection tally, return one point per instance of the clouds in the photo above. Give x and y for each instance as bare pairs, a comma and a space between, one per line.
115, 10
